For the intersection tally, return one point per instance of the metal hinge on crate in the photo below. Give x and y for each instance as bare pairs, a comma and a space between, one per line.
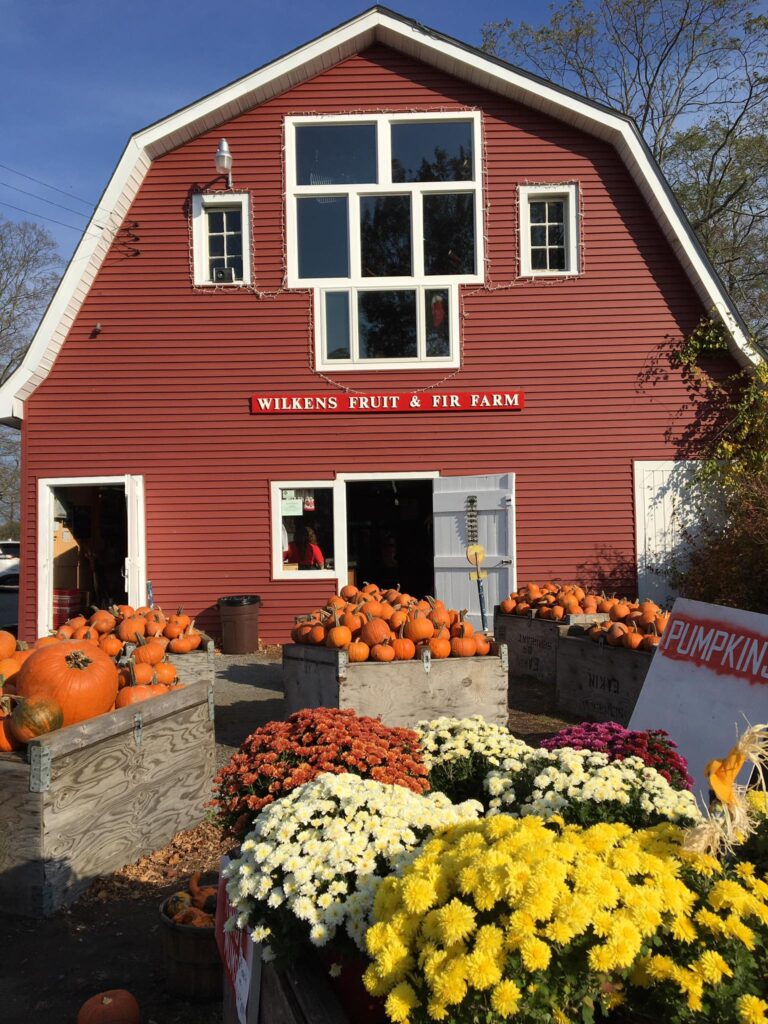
426, 659
40, 769
138, 726
211, 704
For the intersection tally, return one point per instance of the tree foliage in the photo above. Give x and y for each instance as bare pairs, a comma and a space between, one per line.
693, 74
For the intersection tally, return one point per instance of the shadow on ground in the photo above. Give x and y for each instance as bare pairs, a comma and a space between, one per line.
249, 693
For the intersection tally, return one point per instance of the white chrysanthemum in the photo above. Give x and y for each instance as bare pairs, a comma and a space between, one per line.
325, 874
445, 740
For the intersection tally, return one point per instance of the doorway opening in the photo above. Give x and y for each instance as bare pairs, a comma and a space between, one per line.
390, 534
90, 548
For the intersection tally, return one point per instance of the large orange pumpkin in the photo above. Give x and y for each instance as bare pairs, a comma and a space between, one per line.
116, 1006
77, 674
35, 716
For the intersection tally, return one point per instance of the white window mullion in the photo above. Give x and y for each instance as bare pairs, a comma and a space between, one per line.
353, 326
421, 324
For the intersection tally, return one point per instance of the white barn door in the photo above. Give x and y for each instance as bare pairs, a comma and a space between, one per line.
136, 561
496, 532
662, 514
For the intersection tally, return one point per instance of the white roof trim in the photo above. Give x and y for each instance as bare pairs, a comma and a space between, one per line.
375, 25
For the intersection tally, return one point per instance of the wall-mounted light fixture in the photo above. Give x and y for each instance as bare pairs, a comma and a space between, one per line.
224, 161
96, 331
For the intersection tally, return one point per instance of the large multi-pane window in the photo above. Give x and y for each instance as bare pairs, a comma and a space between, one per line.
384, 223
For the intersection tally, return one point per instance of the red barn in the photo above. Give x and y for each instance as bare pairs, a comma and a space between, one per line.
432, 289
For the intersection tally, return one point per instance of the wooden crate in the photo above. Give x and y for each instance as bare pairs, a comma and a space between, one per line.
95, 796
597, 682
299, 994
402, 693
533, 642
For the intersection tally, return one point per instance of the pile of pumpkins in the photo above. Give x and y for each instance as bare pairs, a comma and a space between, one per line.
636, 625
73, 675
194, 907
382, 626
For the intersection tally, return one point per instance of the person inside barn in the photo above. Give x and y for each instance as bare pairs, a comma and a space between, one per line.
304, 549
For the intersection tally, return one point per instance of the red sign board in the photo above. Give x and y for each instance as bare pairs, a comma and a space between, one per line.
395, 401
235, 948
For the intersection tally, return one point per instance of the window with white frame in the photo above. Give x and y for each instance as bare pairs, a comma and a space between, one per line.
303, 537
548, 230
220, 238
384, 222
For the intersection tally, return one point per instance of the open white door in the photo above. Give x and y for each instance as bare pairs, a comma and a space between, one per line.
136, 561
662, 514
496, 532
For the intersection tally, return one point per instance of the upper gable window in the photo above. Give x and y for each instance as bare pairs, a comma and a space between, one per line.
548, 230
384, 222
220, 238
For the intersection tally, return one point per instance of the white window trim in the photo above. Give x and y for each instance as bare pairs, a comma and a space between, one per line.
202, 201
136, 556
338, 486
570, 193
356, 282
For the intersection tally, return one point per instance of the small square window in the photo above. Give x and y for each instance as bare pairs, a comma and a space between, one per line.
548, 230
220, 238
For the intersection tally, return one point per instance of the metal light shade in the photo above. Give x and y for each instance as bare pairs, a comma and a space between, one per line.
224, 161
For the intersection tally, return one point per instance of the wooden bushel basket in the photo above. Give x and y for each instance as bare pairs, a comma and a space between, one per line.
192, 964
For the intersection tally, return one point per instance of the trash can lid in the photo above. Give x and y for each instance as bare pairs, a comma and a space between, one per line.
241, 599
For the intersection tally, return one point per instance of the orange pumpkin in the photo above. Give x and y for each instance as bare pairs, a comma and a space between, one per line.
131, 626
183, 645
45, 641
482, 644
166, 672
7, 644
134, 694
148, 652
403, 646
77, 674
383, 652
440, 646
419, 627
8, 669
35, 716
102, 622
463, 644
8, 741
111, 645
358, 651
373, 632
116, 1006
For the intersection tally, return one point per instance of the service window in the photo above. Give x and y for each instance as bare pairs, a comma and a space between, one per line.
384, 222
221, 239
548, 230
302, 529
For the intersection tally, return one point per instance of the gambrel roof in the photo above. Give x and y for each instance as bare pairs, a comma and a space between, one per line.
376, 25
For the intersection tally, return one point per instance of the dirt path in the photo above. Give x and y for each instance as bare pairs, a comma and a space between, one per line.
110, 938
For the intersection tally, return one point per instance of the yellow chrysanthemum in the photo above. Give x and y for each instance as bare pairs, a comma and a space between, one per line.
751, 1009
400, 1001
536, 954
456, 921
711, 967
418, 894
505, 998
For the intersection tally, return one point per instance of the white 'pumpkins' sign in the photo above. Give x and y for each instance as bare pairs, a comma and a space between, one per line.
708, 680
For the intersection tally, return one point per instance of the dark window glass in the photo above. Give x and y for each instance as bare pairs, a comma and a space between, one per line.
387, 324
555, 211
385, 236
337, 325
438, 322
449, 233
556, 259
432, 151
538, 236
538, 213
336, 154
225, 241
556, 236
539, 259
323, 237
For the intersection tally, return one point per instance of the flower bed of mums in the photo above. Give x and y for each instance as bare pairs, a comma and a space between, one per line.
560, 903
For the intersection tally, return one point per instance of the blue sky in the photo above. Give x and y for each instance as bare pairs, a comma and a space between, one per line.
78, 77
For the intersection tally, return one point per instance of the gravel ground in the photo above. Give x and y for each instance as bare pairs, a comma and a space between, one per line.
249, 692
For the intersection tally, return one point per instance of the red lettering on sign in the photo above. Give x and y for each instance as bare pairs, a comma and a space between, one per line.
727, 650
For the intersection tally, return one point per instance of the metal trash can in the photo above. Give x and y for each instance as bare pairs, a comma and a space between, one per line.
239, 623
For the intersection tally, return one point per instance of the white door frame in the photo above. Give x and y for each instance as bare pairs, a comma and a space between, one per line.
338, 485
135, 563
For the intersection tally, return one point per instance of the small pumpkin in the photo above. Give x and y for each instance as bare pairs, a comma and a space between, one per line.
7, 644
111, 644
358, 651
403, 646
482, 644
374, 631
8, 669
419, 627
8, 741
34, 716
176, 904
102, 621
383, 651
147, 651
136, 693
440, 646
129, 627
116, 1006
463, 643
182, 645
166, 672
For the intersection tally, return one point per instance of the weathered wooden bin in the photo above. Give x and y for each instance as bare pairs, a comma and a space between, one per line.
90, 798
597, 682
533, 642
300, 994
400, 692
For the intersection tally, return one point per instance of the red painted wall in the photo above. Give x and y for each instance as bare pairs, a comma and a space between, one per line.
164, 388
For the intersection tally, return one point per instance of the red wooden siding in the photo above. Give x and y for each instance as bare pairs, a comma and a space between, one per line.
164, 388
